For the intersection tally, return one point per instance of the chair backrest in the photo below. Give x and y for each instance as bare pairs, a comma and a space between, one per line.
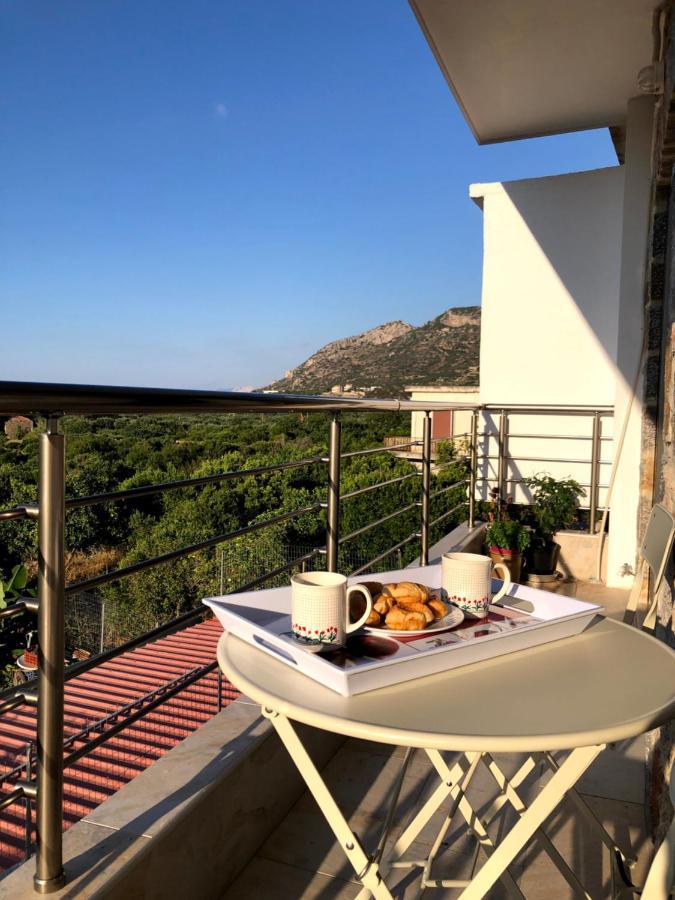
654, 552
658, 541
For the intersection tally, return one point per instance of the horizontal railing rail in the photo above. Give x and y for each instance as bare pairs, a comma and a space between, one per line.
380, 484
561, 409
55, 401
343, 539
385, 553
97, 400
203, 481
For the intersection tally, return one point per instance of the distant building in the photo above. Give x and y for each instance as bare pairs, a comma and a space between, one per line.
445, 424
17, 427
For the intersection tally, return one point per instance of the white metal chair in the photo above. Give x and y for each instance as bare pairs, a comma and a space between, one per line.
654, 552
661, 877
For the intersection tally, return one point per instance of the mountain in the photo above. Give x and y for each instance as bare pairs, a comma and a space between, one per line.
381, 361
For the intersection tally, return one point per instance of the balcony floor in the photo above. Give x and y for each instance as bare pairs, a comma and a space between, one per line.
301, 858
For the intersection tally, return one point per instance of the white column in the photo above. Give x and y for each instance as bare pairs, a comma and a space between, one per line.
622, 543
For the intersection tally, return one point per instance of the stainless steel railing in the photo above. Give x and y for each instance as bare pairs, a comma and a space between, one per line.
54, 401
505, 458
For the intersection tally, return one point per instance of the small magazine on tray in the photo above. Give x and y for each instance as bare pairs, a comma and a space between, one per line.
375, 657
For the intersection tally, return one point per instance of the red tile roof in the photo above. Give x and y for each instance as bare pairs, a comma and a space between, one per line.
99, 692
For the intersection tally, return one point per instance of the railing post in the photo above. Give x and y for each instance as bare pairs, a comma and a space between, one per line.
49, 875
426, 485
503, 452
595, 463
333, 508
219, 688
473, 474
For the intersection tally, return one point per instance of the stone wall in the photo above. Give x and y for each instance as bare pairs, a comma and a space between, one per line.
658, 462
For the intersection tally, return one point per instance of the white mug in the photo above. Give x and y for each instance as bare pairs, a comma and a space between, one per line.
467, 580
320, 607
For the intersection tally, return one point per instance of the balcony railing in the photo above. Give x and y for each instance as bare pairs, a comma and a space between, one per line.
55, 401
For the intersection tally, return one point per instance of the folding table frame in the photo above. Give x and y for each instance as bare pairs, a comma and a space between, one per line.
372, 868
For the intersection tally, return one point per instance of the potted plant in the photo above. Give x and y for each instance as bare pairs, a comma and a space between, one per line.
506, 541
506, 538
12, 630
554, 506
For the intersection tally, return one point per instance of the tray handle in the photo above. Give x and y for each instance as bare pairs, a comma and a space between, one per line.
268, 645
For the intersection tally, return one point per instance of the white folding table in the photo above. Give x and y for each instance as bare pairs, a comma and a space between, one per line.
607, 684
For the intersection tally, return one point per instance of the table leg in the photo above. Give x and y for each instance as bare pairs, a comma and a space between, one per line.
620, 861
575, 798
442, 792
453, 784
476, 825
366, 869
511, 796
550, 797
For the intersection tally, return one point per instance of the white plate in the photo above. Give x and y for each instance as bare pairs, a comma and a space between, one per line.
454, 618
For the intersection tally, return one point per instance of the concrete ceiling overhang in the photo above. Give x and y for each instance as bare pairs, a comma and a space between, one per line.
526, 68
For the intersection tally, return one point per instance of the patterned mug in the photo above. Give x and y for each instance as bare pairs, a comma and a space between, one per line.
320, 607
467, 580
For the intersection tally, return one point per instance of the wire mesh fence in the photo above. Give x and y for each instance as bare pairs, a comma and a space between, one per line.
100, 621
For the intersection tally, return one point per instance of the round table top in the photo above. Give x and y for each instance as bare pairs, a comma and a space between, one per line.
609, 683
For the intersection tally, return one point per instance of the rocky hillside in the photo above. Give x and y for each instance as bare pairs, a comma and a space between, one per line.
381, 361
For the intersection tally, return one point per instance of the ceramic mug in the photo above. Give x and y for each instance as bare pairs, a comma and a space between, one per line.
320, 607
467, 580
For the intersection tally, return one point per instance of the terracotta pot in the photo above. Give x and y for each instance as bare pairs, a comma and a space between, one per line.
512, 559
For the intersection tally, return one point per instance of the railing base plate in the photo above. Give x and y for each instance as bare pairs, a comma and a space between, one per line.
49, 885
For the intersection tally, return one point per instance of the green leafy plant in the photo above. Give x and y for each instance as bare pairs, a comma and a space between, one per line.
507, 534
13, 587
554, 503
12, 630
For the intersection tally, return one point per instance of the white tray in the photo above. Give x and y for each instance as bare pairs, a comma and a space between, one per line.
527, 617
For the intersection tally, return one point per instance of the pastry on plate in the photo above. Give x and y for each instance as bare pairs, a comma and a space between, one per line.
405, 620
438, 607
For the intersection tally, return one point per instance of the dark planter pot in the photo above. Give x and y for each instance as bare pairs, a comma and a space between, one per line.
542, 558
512, 559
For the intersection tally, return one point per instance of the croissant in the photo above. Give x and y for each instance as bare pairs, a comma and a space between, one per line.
403, 620
374, 618
438, 608
410, 604
408, 589
419, 608
383, 603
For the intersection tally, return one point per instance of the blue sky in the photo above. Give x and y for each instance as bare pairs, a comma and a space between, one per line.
201, 194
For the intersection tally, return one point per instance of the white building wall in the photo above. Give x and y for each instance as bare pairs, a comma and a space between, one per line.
551, 274
551, 321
